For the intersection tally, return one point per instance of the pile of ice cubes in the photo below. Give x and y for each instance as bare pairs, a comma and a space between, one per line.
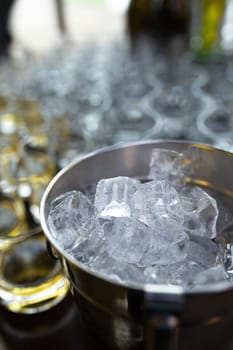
158, 231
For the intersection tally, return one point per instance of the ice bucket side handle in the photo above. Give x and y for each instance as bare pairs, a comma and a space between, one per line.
162, 307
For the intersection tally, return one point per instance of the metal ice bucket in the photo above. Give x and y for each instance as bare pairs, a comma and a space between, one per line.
155, 316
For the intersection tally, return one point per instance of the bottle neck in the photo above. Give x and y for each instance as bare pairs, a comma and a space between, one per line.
160, 19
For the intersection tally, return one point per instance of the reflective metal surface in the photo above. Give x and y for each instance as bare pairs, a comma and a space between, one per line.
116, 312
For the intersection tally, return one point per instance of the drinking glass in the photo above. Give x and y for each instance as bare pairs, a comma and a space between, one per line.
215, 124
132, 120
30, 280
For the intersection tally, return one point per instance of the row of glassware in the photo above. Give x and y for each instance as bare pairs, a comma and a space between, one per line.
110, 94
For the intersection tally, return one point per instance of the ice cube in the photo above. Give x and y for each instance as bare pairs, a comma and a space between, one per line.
90, 248
202, 250
116, 209
126, 239
116, 270
161, 163
158, 203
71, 218
200, 211
214, 274
157, 274
180, 273
114, 196
166, 248
201, 255
187, 163
166, 164
184, 272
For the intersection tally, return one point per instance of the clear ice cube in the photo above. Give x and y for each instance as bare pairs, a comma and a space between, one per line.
187, 163
166, 164
184, 272
156, 274
202, 250
116, 270
71, 218
89, 249
114, 196
214, 274
126, 239
116, 209
166, 248
158, 203
161, 163
200, 212
180, 273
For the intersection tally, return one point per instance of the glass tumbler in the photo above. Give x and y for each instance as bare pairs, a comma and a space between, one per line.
30, 280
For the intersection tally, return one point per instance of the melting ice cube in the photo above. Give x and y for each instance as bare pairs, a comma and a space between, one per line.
212, 275
167, 247
70, 218
166, 164
158, 203
200, 211
161, 163
114, 196
126, 239
118, 271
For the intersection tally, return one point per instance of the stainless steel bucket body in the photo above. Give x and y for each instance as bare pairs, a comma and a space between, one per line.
122, 314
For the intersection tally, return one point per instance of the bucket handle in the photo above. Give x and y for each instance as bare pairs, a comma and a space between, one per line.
162, 306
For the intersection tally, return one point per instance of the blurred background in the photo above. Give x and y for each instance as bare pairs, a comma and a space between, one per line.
36, 26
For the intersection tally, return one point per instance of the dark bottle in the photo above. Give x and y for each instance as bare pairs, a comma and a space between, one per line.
161, 19
5, 36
